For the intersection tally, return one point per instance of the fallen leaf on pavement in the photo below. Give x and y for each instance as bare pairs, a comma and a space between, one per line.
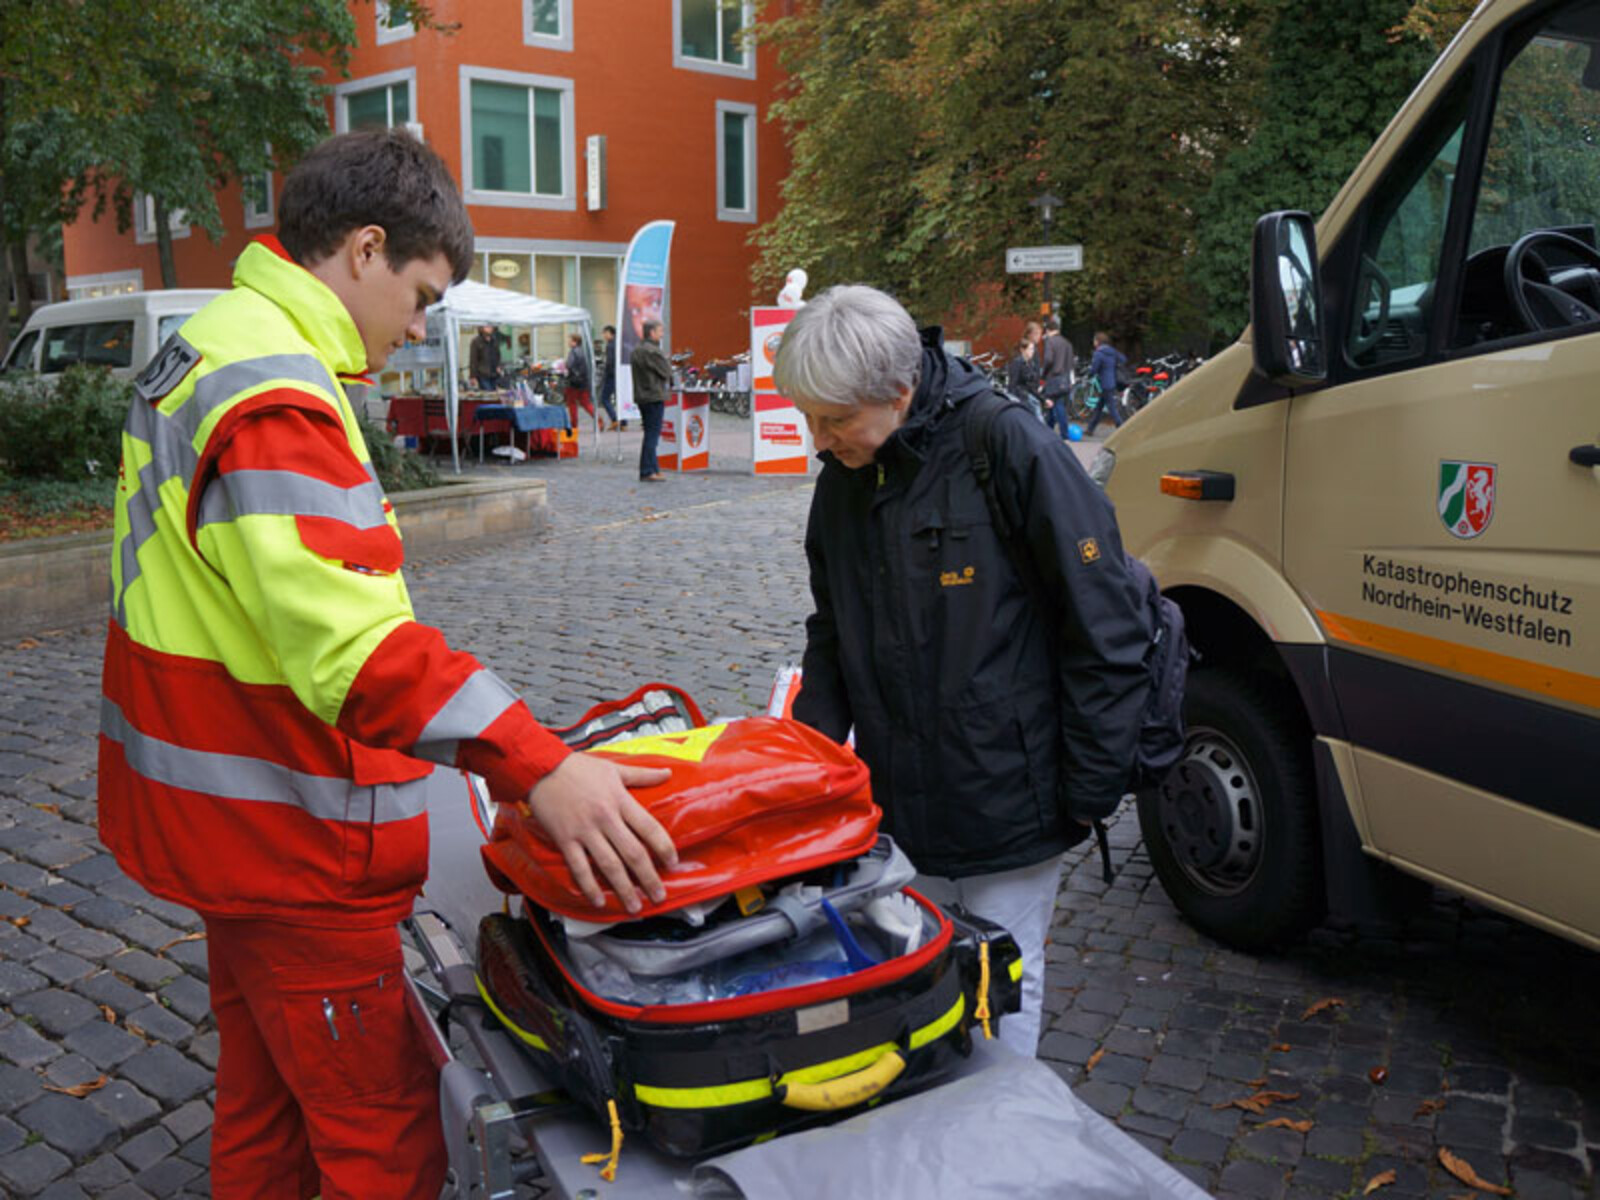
1094, 1060
27, 644
1428, 1107
53, 809
1282, 1047
1322, 1006
20, 922
1379, 1075
188, 937
1381, 1180
1462, 1170
79, 1090
108, 1013
1256, 1083
1286, 1123
1259, 1102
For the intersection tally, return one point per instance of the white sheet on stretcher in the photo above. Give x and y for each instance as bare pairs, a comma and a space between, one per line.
1013, 1131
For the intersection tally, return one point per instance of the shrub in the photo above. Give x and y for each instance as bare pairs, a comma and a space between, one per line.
68, 430
398, 470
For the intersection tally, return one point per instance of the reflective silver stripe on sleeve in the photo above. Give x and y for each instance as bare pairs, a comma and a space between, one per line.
226, 382
286, 493
476, 705
236, 777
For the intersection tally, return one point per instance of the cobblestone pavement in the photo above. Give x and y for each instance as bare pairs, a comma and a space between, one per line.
1485, 1029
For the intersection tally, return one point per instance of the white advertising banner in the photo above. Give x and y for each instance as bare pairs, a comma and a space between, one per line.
780, 442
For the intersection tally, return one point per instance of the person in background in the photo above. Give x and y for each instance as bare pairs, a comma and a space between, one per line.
272, 707
1022, 373
608, 378
652, 375
1104, 365
999, 714
484, 359
1058, 368
577, 379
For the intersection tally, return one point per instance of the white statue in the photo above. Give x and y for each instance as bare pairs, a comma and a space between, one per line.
793, 288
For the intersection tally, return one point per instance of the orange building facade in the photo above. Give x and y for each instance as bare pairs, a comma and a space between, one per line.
569, 124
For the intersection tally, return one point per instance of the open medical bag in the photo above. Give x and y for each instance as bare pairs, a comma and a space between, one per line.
789, 975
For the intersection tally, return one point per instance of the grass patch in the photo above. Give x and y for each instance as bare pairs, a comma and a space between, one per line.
35, 508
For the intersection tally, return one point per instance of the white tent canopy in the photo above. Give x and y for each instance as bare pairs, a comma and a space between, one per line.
469, 303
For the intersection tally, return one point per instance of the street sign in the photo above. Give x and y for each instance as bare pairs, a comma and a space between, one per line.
1028, 260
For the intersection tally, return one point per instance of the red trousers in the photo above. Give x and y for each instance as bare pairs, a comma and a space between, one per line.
575, 397
323, 1083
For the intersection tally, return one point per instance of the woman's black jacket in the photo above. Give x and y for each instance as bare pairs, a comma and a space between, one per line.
993, 723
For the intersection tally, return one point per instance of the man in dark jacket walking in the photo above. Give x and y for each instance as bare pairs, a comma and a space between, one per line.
997, 724
652, 373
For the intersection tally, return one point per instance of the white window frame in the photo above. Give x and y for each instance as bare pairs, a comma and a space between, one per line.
567, 201
256, 218
342, 93
387, 33
107, 283
711, 65
562, 40
748, 111
144, 219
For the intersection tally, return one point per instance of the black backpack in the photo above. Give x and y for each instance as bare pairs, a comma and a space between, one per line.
1161, 730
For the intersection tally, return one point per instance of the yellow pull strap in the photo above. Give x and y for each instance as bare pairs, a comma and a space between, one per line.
750, 900
609, 1171
982, 1011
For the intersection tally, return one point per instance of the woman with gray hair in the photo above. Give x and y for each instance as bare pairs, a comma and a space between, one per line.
996, 702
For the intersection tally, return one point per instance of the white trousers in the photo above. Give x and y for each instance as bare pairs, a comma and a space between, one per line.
1023, 901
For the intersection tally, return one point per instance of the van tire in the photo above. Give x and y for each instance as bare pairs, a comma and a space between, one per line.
1233, 832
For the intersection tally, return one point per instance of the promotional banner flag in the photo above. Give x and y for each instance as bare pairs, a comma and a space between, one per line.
641, 297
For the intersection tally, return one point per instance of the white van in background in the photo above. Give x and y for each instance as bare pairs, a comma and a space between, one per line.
120, 332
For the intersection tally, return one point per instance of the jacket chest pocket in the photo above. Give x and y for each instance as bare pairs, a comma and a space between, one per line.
952, 543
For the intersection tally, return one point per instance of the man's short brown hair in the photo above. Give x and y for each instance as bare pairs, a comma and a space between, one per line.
380, 177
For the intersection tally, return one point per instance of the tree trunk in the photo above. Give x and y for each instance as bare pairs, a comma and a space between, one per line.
17, 252
169, 269
5, 289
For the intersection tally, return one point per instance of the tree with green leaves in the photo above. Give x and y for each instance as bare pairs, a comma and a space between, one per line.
919, 131
1339, 71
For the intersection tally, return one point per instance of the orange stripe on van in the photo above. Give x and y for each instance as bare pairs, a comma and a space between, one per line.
1466, 660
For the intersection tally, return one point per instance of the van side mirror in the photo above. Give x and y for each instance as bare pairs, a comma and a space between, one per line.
1289, 326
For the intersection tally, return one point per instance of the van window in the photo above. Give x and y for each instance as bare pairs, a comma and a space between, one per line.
1393, 300
21, 356
169, 325
1541, 172
100, 343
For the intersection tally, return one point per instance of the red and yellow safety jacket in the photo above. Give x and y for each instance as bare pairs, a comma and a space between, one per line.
266, 683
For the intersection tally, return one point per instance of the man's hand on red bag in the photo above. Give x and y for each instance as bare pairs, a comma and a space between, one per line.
585, 808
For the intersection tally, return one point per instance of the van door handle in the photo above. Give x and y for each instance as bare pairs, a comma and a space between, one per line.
1585, 456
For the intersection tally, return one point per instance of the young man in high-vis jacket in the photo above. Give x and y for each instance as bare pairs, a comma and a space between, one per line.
272, 707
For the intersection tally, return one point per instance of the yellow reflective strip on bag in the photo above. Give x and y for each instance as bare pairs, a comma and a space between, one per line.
748, 1090
533, 1040
1015, 969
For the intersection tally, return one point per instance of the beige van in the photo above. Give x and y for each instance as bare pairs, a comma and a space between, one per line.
121, 332
1380, 512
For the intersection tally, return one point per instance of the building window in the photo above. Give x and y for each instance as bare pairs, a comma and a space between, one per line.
377, 102
519, 145
257, 192
111, 283
392, 26
707, 36
736, 161
547, 24
144, 219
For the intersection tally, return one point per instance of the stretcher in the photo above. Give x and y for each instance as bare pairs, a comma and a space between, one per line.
1001, 1127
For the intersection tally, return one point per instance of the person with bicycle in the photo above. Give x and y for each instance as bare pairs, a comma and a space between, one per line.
1104, 366
608, 378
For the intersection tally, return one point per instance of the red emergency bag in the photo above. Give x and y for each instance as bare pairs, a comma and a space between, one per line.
748, 801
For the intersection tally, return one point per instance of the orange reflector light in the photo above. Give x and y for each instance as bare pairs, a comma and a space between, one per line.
1198, 485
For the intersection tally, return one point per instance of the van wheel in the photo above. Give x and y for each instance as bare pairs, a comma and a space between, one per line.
1232, 830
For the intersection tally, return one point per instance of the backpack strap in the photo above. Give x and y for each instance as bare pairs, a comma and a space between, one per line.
983, 410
